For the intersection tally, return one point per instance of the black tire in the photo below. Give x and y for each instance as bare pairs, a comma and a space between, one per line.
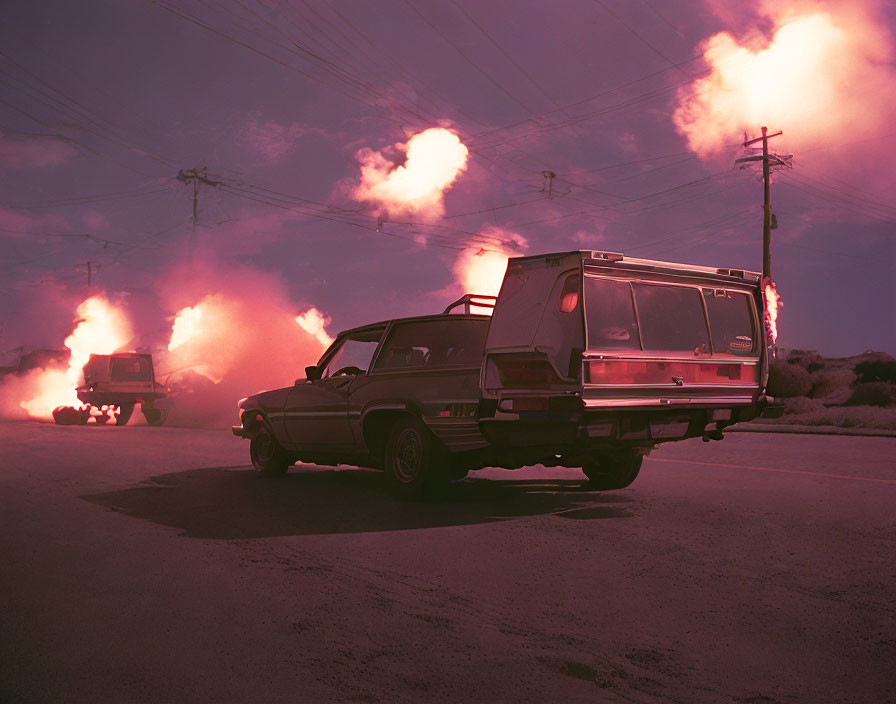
154, 416
268, 457
125, 411
66, 415
415, 462
613, 471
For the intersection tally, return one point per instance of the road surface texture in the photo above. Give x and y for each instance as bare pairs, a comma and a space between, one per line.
146, 564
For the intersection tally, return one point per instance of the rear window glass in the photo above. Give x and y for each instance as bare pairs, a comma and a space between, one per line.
129, 369
671, 318
610, 315
440, 343
730, 321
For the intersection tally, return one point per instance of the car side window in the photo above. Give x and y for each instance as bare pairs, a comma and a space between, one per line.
435, 343
354, 355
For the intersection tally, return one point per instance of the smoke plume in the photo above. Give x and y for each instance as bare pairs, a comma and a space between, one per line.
433, 161
230, 341
825, 75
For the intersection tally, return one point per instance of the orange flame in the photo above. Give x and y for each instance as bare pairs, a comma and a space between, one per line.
101, 329
772, 303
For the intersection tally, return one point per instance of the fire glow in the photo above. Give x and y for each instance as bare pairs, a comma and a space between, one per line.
480, 270
185, 326
434, 160
772, 303
193, 341
101, 329
819, 75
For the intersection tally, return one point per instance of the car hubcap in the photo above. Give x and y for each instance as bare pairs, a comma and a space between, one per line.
407, 456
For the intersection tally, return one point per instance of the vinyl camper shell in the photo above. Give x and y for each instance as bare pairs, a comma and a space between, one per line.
589, 352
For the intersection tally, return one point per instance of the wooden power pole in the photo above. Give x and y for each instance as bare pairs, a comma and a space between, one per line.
196, 176
767, 161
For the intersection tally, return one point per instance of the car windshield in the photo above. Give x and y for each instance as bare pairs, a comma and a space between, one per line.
129, 369
355, 352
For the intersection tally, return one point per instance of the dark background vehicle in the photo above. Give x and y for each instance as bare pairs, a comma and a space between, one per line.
589, 360
115, 384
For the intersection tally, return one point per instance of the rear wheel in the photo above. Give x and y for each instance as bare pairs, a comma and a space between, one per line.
415, 463
125, 411
153, 415
613, 471
267, 456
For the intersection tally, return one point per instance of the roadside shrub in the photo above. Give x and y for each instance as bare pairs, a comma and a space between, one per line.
809, 360
876, 371
873, 393
801, 404
786, 380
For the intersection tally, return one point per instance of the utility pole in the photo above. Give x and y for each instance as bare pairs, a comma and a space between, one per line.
767, 161
89, 274
195, 176
768, 219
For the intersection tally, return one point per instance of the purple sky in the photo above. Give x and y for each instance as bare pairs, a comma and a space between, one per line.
102, 102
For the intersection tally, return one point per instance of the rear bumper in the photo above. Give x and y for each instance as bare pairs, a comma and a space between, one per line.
629, 425
239, 431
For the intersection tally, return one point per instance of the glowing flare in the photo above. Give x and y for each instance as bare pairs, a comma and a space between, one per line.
434, 160
185, 327
821, 74
101, 329
772, 303
313, 322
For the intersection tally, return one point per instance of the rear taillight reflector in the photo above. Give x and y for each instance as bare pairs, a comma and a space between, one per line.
680, 373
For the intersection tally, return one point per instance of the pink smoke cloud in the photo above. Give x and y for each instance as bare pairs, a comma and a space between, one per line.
33, 152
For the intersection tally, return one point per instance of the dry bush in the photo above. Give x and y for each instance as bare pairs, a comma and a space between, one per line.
809, 360
875, 393
833, 385
787, 380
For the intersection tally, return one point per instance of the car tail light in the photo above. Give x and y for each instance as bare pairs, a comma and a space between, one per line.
516, 372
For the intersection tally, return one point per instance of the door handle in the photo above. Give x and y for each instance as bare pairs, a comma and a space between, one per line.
679, 381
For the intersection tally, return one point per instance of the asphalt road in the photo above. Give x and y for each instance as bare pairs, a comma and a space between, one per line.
150, 565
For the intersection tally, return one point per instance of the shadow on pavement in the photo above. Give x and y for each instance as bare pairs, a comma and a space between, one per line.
233, 503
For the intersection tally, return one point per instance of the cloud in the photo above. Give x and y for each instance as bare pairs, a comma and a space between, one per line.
272, 140
33, 152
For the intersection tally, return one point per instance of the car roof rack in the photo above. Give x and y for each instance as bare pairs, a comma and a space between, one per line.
472, 299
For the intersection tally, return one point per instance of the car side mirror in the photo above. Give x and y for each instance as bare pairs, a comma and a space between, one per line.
313, 372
